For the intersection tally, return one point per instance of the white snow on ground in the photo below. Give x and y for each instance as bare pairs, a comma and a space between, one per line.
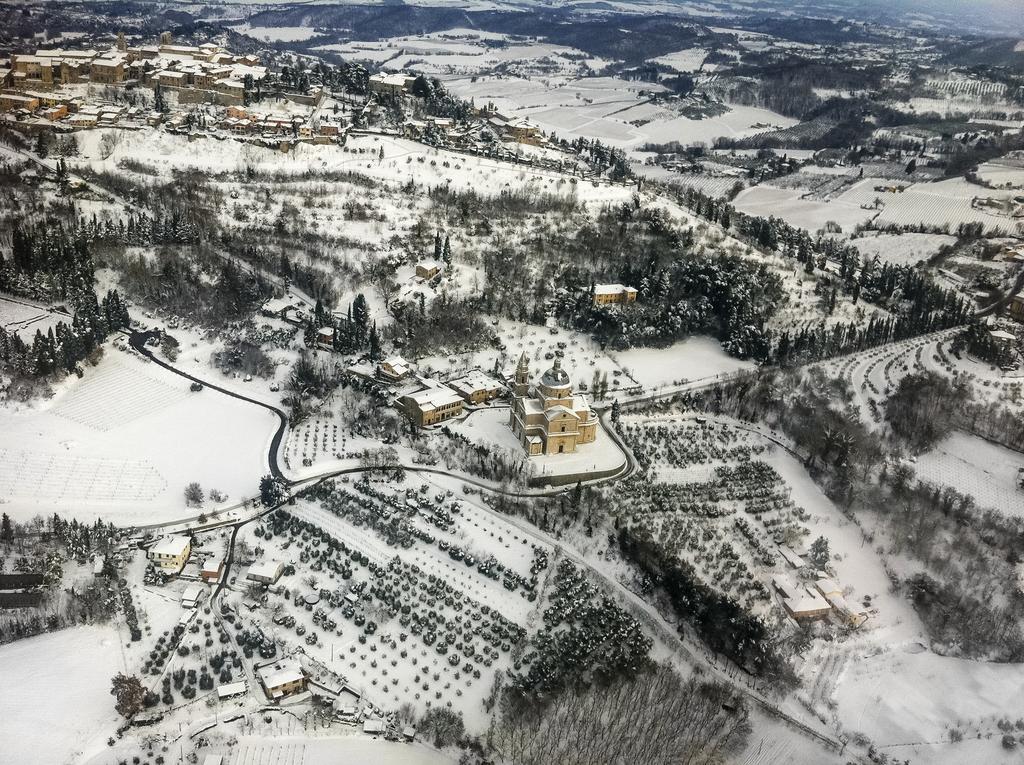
121, 444
810, 214
255, 750
944, 202
607, 108
1003, 172
277, 34
403, 159
25, 316
974, 466
905, 694
58, 695
901, 249
692, 359
442, 53
687, 60
856, 565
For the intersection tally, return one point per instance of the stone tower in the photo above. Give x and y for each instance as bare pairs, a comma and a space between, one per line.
522, 378
121, 44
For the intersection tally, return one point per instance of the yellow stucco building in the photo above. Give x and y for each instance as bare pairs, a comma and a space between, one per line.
548, 418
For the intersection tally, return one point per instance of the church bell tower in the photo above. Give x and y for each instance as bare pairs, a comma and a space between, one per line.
522, 378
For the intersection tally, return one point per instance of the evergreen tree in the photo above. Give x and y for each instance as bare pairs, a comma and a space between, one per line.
42, 145
6, 529
375, 350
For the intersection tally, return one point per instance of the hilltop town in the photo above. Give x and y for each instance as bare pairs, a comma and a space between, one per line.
511, 384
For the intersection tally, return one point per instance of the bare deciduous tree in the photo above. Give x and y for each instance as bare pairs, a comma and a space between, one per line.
656, 718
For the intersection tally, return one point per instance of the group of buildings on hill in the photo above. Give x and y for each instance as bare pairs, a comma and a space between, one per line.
213, 74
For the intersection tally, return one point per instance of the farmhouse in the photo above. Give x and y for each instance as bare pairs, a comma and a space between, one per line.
325, 337
548, 418
801, 601
605, 294
394, 368
276, 307
170, 553
433, 404
265, 571
282, 679
391, 84
476, 387
428, 269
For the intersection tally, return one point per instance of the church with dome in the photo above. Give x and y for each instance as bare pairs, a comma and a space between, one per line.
547, 417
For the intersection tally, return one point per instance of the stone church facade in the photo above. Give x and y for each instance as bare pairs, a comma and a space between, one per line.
547, 417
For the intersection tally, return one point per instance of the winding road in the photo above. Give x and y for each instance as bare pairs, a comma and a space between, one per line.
686, 649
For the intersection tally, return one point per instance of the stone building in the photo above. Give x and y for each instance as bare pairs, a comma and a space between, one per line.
548, 418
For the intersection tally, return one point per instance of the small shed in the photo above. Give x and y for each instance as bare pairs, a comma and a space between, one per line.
374, 726
212, 569
192, 595
231, 690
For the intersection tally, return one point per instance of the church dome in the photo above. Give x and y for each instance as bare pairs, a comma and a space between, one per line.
556, 377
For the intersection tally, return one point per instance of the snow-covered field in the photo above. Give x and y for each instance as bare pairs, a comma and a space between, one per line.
465, 52
59, 704
123, 442
972, 465
687, 60
901, 249
277, 34
789, 204
612, 110
1005, 172
944, 202
25, 316
908, 700
403, 159
303, 750
695, 358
